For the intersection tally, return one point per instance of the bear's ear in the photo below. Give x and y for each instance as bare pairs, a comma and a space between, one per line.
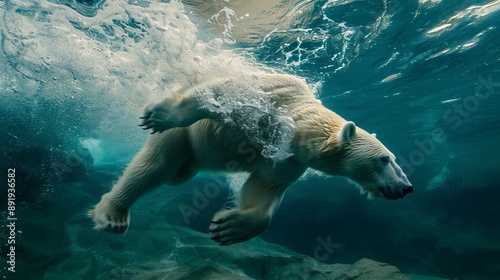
374, 135
347, 133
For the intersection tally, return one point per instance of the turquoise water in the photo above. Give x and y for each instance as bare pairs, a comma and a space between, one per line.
423, 75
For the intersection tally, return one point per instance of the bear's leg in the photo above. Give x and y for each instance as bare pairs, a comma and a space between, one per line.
177, 110
165, 158
260, 198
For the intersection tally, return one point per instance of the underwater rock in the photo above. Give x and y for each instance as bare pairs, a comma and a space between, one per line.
160, 246
79, 266
182, 253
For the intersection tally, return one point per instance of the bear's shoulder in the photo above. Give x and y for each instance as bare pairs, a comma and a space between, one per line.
284, 83
287, 89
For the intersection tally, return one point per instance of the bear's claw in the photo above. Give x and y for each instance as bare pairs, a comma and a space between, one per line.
146, 115
146, 124
109, 217
150, 122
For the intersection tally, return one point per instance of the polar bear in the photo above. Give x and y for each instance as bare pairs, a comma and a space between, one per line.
190, 133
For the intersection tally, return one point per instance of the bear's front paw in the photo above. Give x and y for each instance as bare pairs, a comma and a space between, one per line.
107, 216
158, 117
234, 226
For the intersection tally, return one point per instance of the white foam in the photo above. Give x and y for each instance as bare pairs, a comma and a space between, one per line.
99, 72
243, 105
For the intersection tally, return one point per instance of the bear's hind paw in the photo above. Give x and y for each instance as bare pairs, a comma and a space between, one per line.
235, 226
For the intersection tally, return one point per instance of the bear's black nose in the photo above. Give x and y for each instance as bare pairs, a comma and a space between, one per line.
407, 190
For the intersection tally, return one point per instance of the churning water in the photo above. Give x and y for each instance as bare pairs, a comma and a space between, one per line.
424, 75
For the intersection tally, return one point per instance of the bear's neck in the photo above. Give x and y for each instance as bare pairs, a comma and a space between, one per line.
313, 142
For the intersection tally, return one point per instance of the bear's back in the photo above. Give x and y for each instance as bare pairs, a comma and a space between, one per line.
286, 89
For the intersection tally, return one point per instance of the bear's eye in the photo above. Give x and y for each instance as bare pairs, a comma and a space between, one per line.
385, 159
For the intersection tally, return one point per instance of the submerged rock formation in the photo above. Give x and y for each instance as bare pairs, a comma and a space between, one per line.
174, 252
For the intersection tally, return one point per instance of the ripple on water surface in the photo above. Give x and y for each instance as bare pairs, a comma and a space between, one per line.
87, 8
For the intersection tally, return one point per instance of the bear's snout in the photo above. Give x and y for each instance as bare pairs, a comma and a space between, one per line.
395, 193
407, 190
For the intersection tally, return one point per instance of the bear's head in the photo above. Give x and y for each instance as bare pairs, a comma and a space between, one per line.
367, 162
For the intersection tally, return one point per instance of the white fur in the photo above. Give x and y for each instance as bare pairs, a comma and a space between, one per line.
195, 132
